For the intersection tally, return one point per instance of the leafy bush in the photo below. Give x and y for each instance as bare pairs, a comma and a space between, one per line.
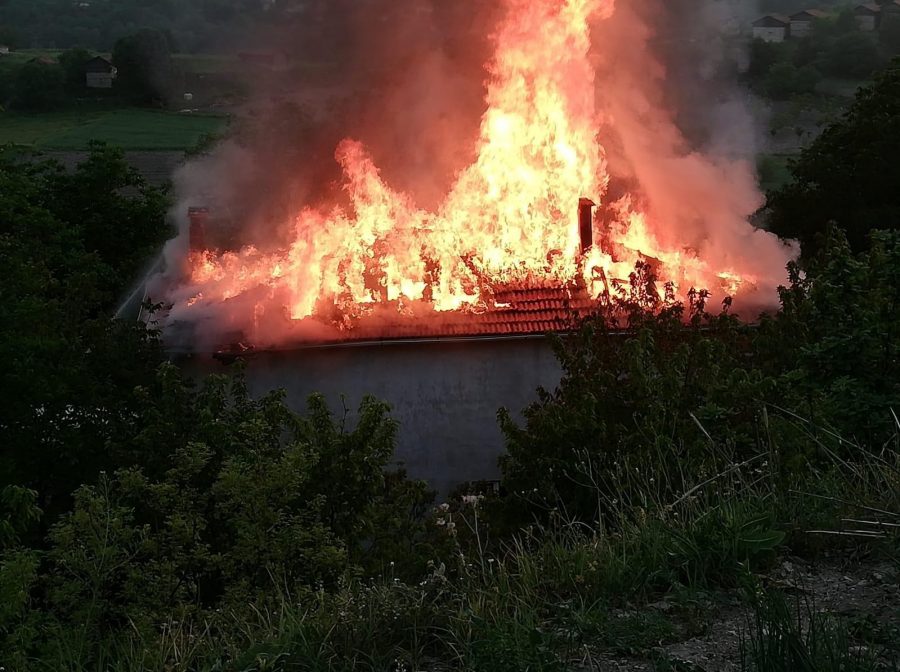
855, 55
245, 502
511, 646
833, 345
637, 411
648, 396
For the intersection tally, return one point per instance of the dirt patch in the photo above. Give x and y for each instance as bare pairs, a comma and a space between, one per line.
865, 592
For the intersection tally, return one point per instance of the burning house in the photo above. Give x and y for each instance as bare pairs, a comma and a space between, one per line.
442, 311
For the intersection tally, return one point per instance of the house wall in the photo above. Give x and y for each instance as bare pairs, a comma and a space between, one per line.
445, 395
800, 28
866, 22
99, 80
772, 34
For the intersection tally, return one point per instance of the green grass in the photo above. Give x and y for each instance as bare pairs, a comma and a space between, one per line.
22, 56
129, 128
794, 636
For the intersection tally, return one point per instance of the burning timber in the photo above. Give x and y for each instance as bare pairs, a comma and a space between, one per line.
527, 307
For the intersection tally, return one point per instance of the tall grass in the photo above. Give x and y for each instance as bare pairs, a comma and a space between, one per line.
795, 637
549, 597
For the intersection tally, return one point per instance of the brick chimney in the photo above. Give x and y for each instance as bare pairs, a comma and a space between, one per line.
586, 223
198, 218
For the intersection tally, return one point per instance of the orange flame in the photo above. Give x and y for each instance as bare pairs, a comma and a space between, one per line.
510, 216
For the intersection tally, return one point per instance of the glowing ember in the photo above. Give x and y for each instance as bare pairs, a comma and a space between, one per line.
510, 216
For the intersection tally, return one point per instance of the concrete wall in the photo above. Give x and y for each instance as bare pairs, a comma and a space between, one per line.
801, 28
444, 394
866, 22
772, 34
99, 80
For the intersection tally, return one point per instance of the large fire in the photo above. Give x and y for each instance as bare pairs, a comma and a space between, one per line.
511, 216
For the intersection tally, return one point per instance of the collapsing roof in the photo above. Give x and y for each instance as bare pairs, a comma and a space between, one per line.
512, 309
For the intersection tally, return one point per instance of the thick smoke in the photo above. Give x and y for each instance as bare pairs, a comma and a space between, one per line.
407, 79
681, 131
404, 77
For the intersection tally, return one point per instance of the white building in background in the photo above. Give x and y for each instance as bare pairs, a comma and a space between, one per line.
772, 28
868, 16
99, 73
802, 22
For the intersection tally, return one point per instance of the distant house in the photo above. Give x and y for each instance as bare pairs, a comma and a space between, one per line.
890, 11
4, 50
99, 73
802, 22
868, 16
772, 28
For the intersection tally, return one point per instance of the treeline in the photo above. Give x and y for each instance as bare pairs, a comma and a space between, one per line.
191, 25
146, 74
791, 6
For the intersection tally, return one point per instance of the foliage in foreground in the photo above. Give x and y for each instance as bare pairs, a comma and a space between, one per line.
69, 246
544, 599
793, 636
827, 364
194, 526
232, 533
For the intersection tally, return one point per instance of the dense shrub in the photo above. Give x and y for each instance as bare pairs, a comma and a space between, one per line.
654, 392
658, 393
232, 501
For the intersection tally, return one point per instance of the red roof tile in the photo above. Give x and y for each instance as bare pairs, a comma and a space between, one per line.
516, 311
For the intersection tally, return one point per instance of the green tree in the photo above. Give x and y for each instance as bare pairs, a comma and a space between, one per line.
854, 55
834, 345
71, 370
147, 73
39, 87
73, 62
849, 174
765, 55
9, 37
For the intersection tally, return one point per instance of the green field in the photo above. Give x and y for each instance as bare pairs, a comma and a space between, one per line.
21, 56
129, 128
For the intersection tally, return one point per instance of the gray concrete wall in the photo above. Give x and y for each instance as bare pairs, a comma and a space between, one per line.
444, 394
